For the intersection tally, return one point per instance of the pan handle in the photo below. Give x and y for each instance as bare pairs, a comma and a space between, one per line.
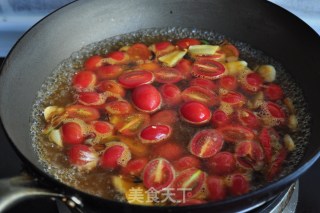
22, 187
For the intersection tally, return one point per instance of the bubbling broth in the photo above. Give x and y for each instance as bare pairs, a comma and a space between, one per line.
152, 110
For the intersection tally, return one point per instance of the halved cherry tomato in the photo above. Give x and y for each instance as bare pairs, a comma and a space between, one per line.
118, 107
112, 87
233, 98
168, 150
102, 128
238, 184
228, 82
248, 118
158, 173
139, 51
116, 154
167, 75
167, 117
229, 50
135, 78
130, 124
162, 48
155, 133
276, 164
273, 92
184, 66
84, 113
251, 82
192, 180
80, 155
249, 155
149, 66
171, 94
272, 114
195, 113
187, 162
146, 98
236, 133
220, 118
93, 62
206, 143
186, 42
222, 163
205, 83
208, 69
201, 95
91, 98
117, 57
72, 133
108, 71
265, 141
135, 166
84, 81
216, 188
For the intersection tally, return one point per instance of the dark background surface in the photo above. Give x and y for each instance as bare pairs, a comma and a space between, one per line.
11, 165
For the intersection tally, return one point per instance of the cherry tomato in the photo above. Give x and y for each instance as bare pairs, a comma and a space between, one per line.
220, 118
222, 163
146, 98
205, 83
162, 150
118, 107
84, 81
272, 114
84, 113
162, 48
229, 50
228, 82
116, 154
186, 162
273, 92
201, 95
117, 57
216, 188
102, 128
236, 133
80, 155
135, 166
93, 62
139, 51
238, 184
155, 133
167, 117
265, 141
192, 179
135, 78
249, 155
108, 72
186, 42
208, 69
184, 66
112, 87
72, 133
233, 98
251, 82
171, 94
248, 118
195, 113
276, 165
167, 75
158, 173
91, 98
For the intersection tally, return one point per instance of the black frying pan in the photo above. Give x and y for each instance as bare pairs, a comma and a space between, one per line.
259, 23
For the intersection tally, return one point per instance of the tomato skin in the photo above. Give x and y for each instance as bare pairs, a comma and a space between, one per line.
161, 150
171, 94
251, 82
112, 87
195, 113
134, 79
222, 163
187, 162
235, 99
116, 154
184, 66
167, 75
273, 92
146, 98
72, 133
155, 133
247, 118
108, 72
236, 133
84, 81
139, 51
186, 42
79, 155
238, 184
249, 155
118, 107
265, 141
276, 165
228, 82
216, 188
219, 118
91, 98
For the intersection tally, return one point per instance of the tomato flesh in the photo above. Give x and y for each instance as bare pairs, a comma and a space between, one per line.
167, 75
205, 83
135, 78
187, 162
201, 95
84, 81
118, 107
236, 133
85, 113
208, 69
222, 163
108, 71
171, 94
249, 155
